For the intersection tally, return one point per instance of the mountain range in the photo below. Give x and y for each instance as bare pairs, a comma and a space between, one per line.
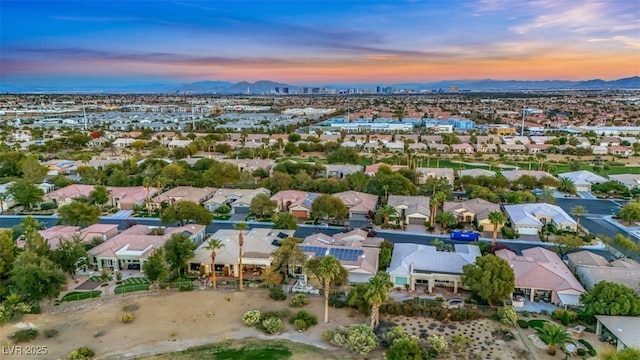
267, 87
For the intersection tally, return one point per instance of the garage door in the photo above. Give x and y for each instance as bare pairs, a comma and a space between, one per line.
527, 231
241, 210
417, 220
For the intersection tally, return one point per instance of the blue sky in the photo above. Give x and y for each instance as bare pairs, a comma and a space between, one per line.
116, 42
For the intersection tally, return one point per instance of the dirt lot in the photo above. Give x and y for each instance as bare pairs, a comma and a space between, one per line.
167, 323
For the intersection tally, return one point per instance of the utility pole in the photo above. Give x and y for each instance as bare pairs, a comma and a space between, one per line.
524, 111
84, 112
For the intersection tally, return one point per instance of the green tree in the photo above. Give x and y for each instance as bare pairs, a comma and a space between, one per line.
578, 211
178, 250
241, 227
36, 276
376, 294
99, 195
328, 270
490, 277
278, 181
285, 220
384, 259
33, 240
156, 267
567, 185
436, 200
344, 155
13, 307
608, 298
262, 206
78, 213
25, 193
553, 335
32, 171
497, 219
214, 245
184, 212
286, 257
8, 252
621, 243
565, 244
387, 211
405, 348
326, 206
630, 212
446, 219
70, 253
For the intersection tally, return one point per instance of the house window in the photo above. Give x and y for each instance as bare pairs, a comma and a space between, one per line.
400, 280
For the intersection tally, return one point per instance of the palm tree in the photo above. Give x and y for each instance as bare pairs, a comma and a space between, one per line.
214, 245
377, 293
148, 183
446, 218
387, 211
329, 269
578, 211
160, 183
497, 218
3, 197
553, 335
241, 226
567, 185
435, 201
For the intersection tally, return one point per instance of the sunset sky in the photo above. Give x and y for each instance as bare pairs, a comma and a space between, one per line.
316, 42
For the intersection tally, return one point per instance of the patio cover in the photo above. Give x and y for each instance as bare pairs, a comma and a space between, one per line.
625, 328
569, 299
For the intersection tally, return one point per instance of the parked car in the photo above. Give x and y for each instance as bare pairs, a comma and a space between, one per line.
322, 226
346, 229
370, 231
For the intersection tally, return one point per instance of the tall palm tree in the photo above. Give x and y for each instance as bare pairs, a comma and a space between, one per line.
387, 211
241, 226
329, 269
578, 211
377, 293
497, 218
3, 197
567, 185
553, 335
160, 182
213, 245
435, 201
148, 184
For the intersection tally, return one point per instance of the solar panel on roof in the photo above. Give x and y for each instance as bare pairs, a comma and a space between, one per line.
345, 254
316, 250
282, 235
275, 243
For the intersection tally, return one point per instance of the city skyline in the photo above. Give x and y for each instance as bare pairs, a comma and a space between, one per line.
316, 42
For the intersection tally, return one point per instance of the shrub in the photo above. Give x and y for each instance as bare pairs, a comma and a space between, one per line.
303, 320
50, 333
507, 315
299, 300
25, 335
127, 318
187, 287
277, 294
590, 349
523, 324
438, 343
83, 353
272, 325
564, 316
252, 317
581, 352
358, 338
337, 300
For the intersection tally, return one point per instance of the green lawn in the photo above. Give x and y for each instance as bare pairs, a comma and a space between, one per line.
537, 323
81, 295
249, 349
132, 284
97, 278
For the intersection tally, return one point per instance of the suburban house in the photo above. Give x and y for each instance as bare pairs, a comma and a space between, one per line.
411, 209
298, 203
125, 198
468, 210
437, 173
582, 179
625, 329
528, 219
258, 245
486, 148
463, 148
476, 172
356, 253
238, 199
541, 275
414, 264
123, 142
621, 151
360, 204
131, 248
513, 175
599, 150
179, 143
371, 170
395, 146
9, 202
340, 171
103, 232
592, 268
251, 165
629, 180
183, 193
